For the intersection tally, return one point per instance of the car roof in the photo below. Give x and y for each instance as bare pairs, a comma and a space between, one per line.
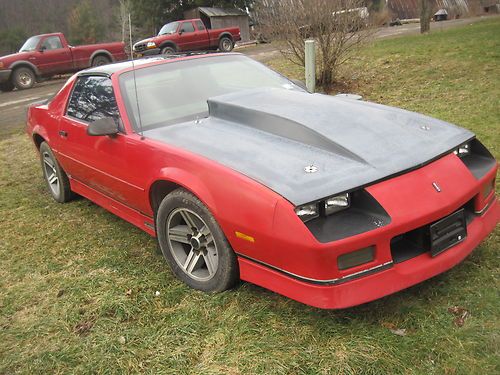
119, 67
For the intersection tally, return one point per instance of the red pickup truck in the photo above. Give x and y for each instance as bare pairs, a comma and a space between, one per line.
188, 35
49, 54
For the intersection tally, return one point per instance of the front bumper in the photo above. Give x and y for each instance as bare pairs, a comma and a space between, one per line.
147, 52
306, 270
371, 287
5, 75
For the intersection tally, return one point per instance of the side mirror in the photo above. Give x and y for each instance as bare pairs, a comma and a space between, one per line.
181, 31
42, 48
103, 126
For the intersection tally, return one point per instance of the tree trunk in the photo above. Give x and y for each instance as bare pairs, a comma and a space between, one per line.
425, 16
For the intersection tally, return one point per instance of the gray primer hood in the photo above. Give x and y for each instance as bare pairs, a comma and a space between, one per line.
271, 135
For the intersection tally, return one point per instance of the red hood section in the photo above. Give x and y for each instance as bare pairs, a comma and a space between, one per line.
9, 59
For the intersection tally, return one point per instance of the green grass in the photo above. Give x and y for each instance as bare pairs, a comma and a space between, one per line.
77, 284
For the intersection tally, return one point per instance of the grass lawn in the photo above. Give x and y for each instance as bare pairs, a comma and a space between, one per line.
78, 286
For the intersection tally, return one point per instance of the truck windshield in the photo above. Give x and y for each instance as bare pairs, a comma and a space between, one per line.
30, 44
176, 92
169, 28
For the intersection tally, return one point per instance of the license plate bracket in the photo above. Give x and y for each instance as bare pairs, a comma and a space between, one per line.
448, 232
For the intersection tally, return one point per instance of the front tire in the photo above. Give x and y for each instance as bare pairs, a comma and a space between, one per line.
23, 78
168, 50
55, 177
193, 243
226, 44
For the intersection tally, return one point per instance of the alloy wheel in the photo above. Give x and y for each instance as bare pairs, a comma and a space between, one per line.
51, 173
192, 244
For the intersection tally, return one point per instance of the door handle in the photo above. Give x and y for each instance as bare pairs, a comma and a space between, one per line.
63, 134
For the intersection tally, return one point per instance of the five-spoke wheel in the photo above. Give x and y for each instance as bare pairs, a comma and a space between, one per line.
55, 177
193, 243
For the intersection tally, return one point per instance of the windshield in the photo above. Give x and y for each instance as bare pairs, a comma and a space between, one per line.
30, 44
169, 28
178, 91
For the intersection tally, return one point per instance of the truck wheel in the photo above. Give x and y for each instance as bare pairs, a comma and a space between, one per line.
23, 78
6, 86
226, 44
100, 60
168, 50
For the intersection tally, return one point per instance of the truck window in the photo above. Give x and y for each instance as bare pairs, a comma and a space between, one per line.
92, 99
187, 27
200, 25
52, 42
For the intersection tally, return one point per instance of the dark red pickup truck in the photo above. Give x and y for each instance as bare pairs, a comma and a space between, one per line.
188, 35
49, 54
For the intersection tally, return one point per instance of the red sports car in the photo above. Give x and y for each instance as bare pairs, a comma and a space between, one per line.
242, 174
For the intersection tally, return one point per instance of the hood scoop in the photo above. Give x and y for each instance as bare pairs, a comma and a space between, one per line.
277, 125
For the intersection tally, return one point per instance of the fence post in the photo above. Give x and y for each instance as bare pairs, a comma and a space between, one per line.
310, 65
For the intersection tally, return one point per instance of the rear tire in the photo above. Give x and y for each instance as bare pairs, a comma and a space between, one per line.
194, 245
55, 177
23, 78
6, 86
226, 44
100, 60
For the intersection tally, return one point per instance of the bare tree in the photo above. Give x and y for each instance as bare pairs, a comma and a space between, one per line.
425, 16
123, 17
338, 26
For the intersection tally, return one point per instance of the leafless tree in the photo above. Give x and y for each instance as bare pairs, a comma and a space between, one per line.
338, 26
123, 17
425, 16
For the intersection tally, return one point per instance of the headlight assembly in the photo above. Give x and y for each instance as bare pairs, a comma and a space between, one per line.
307, 212
323, 207
463, 150
337, 203
151, 45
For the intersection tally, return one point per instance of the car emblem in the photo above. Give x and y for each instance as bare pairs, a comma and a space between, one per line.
311, 169
436, 186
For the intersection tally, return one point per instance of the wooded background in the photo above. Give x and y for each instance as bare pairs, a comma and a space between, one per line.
91, 21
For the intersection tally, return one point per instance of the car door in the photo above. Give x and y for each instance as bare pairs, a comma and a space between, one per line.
187, 36
202, 40
51, 56
100, 162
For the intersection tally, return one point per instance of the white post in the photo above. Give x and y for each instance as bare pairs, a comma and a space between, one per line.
310, 65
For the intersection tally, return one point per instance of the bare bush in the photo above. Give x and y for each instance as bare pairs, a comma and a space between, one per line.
338, 26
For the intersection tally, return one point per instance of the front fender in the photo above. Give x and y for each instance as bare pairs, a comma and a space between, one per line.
190, 182
20, 63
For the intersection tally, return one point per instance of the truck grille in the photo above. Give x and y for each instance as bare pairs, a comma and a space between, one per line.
140, 47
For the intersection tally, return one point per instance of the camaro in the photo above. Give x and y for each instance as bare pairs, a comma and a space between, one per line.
242, 174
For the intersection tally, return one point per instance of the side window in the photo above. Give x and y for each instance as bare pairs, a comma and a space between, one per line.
52, 42
92, 99
200, 25
187, 27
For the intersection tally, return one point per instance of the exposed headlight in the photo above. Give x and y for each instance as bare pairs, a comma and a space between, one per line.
307, 211
151, 45
1, 65
337, 203
463, 150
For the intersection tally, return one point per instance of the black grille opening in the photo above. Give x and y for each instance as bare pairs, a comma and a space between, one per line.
418, 241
